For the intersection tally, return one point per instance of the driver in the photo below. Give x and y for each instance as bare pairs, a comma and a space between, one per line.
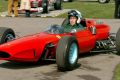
74, 18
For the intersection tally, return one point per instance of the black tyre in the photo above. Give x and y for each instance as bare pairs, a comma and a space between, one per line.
103, 1
67, 53
118, 42
70, 0
57, 5
45, 6
6, 34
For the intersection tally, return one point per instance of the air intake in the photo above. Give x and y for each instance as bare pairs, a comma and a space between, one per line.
4, 55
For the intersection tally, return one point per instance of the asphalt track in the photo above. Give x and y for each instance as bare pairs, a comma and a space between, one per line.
90, 67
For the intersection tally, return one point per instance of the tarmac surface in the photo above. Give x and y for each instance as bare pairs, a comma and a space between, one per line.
52, 13
90, 67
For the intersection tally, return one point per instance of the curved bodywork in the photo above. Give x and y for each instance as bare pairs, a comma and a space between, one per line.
28, 48
43, 45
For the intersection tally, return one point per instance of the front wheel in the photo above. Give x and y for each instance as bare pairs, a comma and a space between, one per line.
67, 53
6, 34
57, 5
103, 1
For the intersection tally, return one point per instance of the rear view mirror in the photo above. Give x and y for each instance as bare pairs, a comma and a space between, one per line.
93, 30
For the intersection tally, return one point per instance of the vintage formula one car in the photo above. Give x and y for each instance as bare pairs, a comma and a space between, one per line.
100, 1
68, 0
57, 44
39, 6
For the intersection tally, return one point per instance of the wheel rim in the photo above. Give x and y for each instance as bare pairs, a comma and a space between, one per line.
65, 0
102, 1
9, 37
73, 53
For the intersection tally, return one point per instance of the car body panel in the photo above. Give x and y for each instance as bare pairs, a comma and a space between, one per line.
86, 40
102, 31
28, 48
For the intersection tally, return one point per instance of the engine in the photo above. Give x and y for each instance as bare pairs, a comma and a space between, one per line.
106, 45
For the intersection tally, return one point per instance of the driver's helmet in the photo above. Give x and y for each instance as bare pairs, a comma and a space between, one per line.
75, 13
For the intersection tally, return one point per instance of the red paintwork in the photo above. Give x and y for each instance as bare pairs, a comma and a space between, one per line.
39, 2
30, 48
32, 8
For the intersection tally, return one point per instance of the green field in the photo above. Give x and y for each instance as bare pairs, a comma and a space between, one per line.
3, 5
117, 73
91, 9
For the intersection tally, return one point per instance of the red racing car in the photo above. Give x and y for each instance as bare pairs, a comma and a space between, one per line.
57, 44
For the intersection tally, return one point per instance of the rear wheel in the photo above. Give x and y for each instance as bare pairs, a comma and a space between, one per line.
118, 42
67, 53
57, 5
45, 6
6, 34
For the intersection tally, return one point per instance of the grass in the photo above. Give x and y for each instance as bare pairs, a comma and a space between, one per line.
3, 5
117, 73
91, 9
88, 9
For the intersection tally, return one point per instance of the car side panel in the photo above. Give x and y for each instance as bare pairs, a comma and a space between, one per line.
86, 40
102, 31
26, 49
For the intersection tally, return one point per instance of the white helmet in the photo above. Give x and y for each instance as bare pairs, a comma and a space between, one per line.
75, 13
